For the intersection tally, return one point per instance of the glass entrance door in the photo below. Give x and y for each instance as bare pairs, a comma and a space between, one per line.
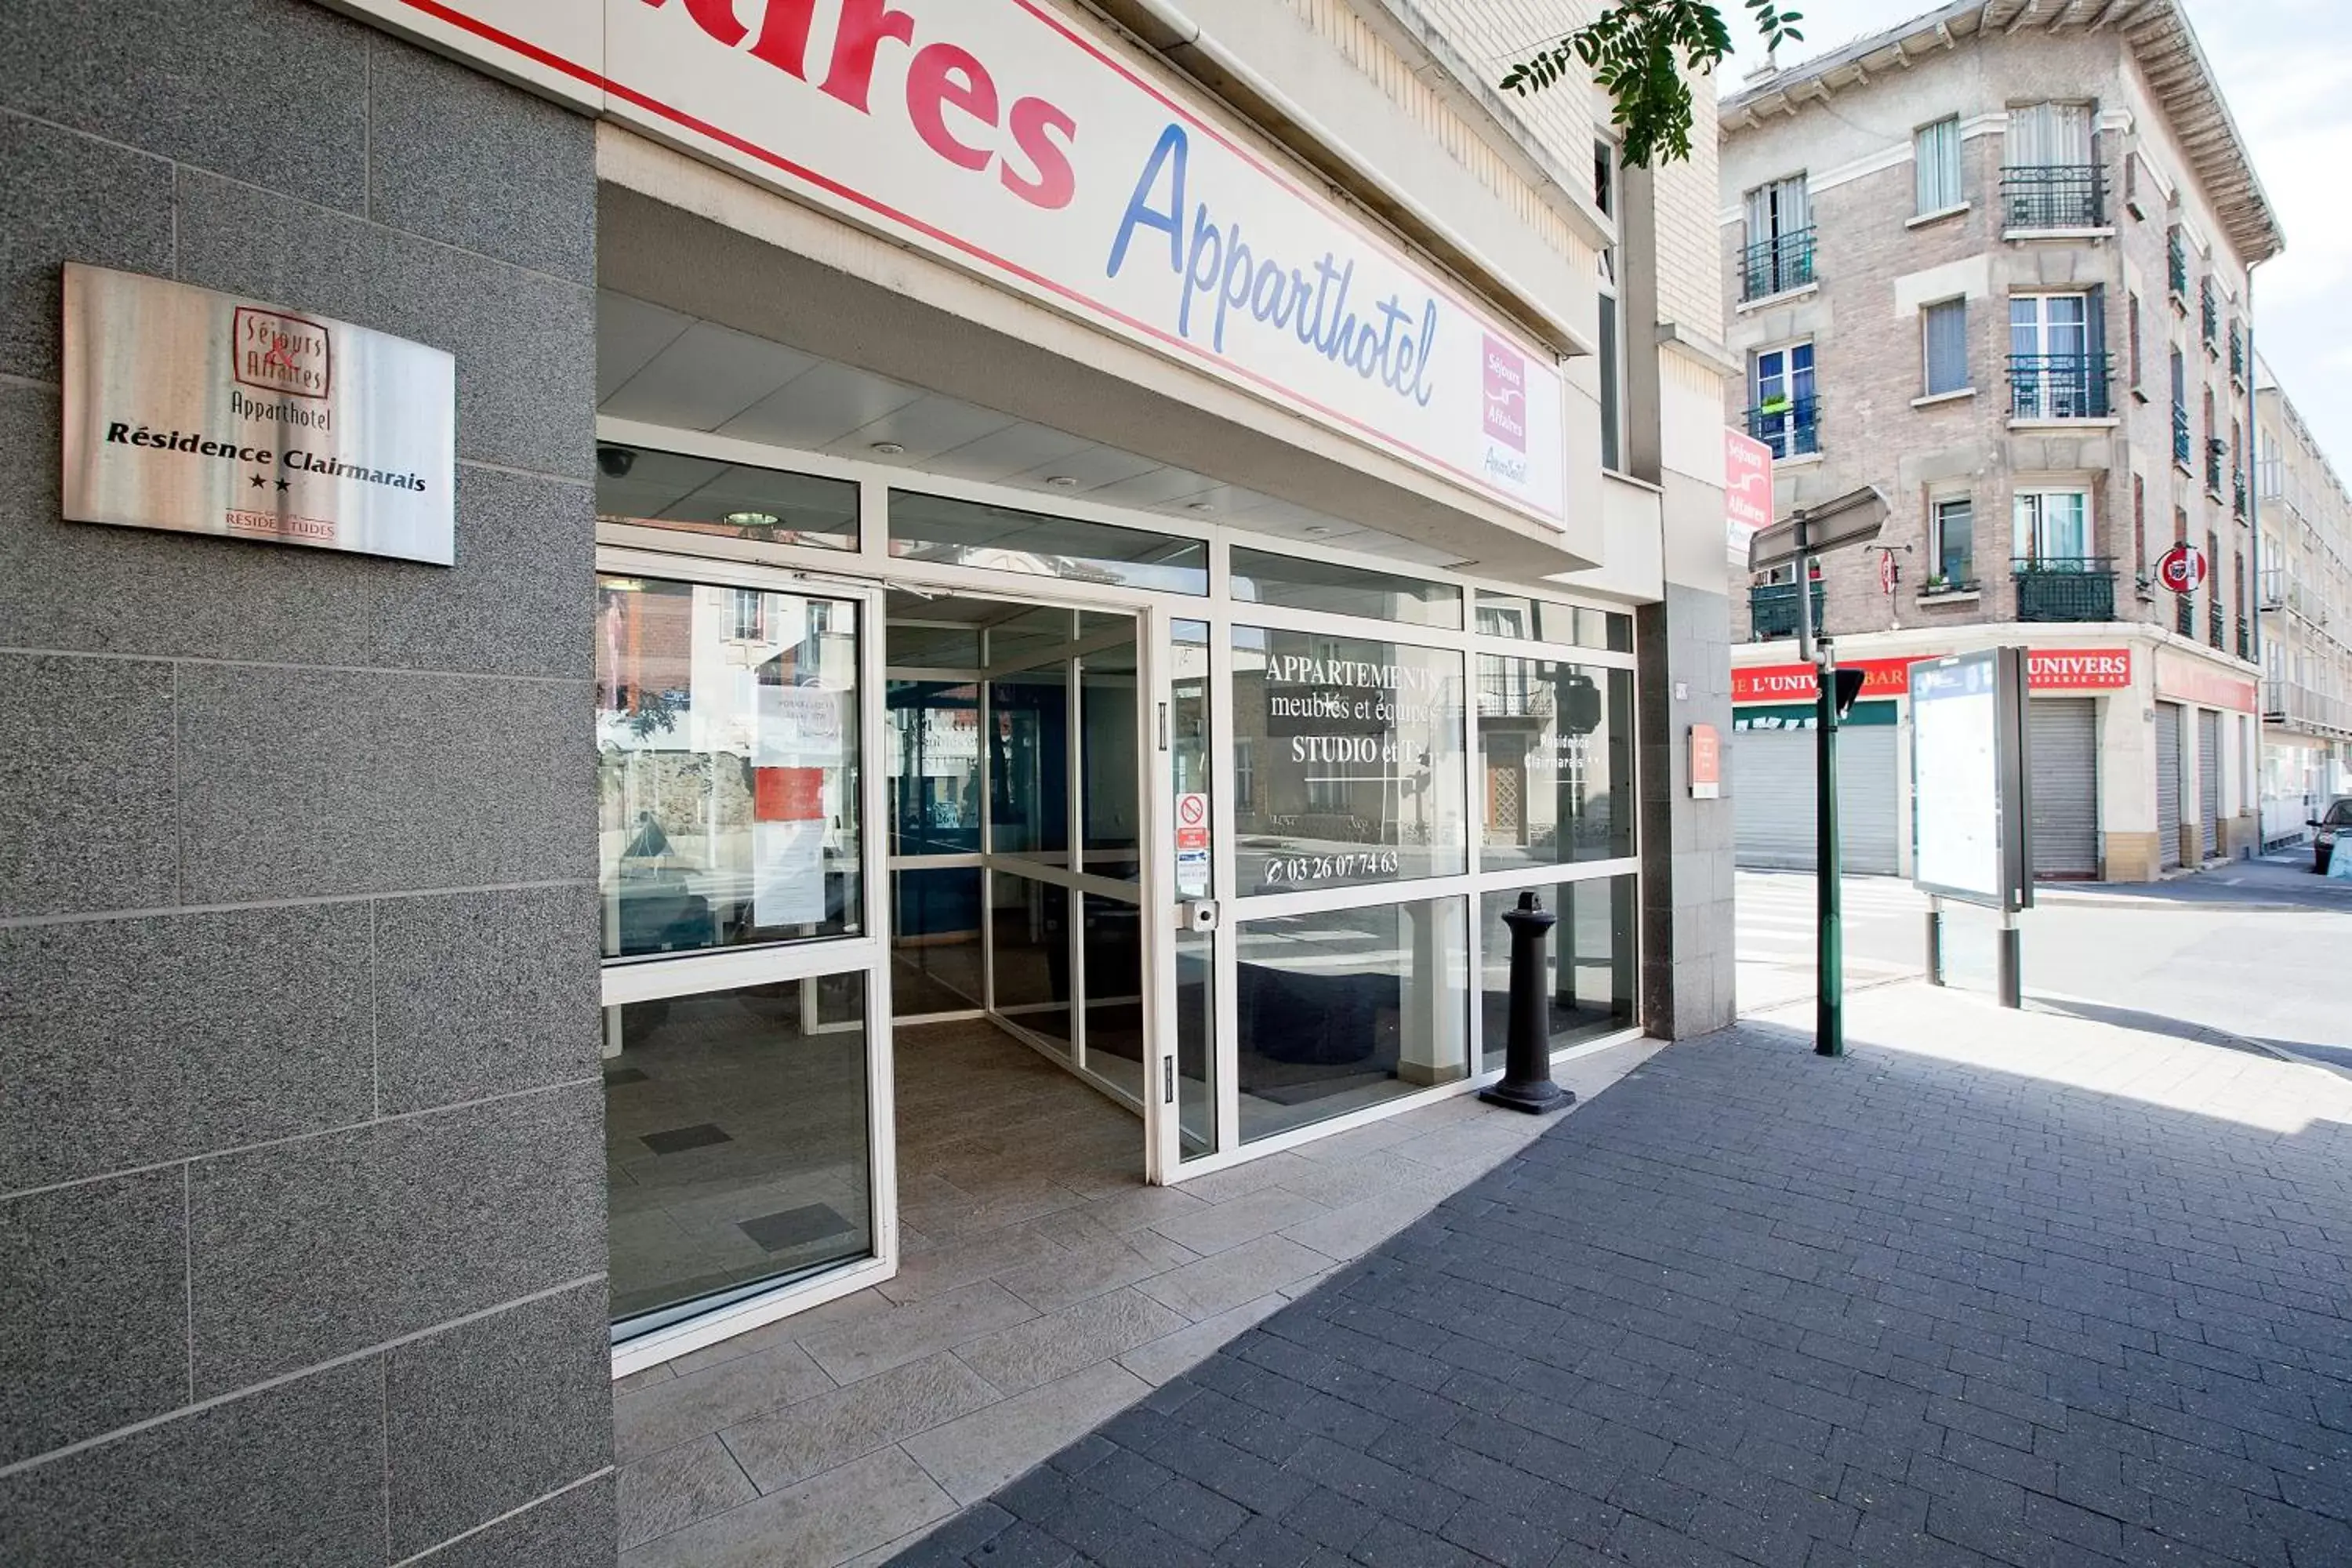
1017, 735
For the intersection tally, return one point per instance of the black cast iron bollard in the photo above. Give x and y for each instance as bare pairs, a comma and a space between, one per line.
1526, 1060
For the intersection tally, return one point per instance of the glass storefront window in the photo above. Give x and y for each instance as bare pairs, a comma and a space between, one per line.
728, 747
1588, 956
1526, 619
1556, 760
1266, 579
934, 767
1113, 940
1028, 732
736, 1143
1354, 760
1108, 754
1030, 953
1348, 1008
974, 533
935, 940
646, 489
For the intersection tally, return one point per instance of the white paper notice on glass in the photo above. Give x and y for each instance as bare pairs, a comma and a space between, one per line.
802, 727
787, 873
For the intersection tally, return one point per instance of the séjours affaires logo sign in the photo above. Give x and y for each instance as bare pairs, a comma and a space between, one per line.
197, 412
276, 353
1507, 395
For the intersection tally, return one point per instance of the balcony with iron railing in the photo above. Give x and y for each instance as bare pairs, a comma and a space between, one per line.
1790, 426
1772, 610
2059, 386
1777, 264
2052, 196
2180, 447
2064, 588
2272, 586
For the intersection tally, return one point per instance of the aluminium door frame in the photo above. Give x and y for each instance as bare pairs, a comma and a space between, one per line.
868, 953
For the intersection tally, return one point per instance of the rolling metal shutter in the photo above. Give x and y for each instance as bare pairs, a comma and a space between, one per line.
2208, 780
1773, 798
2167, 784
2066, 785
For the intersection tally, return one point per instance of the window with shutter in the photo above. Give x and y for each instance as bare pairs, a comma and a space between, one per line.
1944, 332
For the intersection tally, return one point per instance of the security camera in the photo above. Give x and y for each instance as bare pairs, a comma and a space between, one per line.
615, 462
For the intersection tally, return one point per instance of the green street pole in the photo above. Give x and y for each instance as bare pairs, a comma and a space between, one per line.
1829, 987
1828, 977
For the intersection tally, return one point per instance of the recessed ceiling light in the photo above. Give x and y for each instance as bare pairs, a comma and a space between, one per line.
1062, 481
1200, 506
753, 520
888, 448
1319, 528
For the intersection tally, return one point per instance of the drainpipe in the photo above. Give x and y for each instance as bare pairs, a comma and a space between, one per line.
2253, 608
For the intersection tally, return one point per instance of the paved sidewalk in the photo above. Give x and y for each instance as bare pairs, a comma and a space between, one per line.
1047, 1292
1995, 1288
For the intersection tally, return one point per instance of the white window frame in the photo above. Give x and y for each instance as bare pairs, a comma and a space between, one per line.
2028, 536
1936, 507
1938, 183
1927, 387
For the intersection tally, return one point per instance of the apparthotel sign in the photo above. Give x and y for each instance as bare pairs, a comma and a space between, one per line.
203, 413
996, 134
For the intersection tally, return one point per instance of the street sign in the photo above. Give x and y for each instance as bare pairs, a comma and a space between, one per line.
1853, 518
1193, 846
2181, 568
1886, 572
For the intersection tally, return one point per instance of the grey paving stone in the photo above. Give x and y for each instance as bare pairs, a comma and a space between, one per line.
1749, 1308
678, 1486
650, 1419
813, 1435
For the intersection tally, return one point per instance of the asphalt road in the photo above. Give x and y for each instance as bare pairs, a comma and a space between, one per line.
2257, 948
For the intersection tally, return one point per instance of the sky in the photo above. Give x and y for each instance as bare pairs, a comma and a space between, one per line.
2287, 76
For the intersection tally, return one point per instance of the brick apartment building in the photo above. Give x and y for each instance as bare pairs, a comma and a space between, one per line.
2305, 518
1997, 263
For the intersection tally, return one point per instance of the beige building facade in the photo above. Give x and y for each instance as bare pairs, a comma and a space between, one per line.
2305, 518
1997, 263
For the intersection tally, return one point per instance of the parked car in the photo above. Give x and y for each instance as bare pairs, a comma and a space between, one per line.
2332, 824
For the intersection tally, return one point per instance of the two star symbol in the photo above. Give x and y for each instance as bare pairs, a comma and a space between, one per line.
261, 483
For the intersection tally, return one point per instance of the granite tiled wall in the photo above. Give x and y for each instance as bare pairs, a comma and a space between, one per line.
301, 1205
1688, 969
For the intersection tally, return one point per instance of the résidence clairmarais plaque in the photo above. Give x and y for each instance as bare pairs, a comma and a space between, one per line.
206, 413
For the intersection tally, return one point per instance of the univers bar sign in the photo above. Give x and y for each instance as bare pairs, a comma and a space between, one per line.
997, 134
204, 413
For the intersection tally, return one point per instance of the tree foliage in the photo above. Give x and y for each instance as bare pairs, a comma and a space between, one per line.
1637, 50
